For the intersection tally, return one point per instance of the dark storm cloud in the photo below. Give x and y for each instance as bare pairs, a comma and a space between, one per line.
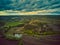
4, 4
29, 5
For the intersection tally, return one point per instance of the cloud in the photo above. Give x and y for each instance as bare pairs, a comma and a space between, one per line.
39, 12
30, 7
28, 4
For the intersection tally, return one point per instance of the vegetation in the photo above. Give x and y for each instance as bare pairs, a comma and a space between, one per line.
34, 27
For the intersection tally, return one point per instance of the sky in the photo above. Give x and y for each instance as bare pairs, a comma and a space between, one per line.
29, 7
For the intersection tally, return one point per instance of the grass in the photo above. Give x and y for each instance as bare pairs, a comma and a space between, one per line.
12, 24
50, 33
20, 42
11, 36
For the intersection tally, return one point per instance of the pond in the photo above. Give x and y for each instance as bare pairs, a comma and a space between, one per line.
18, 35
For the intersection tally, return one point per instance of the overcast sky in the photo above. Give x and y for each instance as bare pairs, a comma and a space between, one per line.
30, 5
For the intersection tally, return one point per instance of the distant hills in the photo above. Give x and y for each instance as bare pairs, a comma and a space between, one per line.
22, 17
